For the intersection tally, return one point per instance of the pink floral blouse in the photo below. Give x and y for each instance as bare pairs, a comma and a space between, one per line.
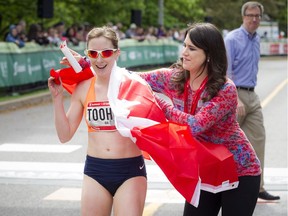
214, 121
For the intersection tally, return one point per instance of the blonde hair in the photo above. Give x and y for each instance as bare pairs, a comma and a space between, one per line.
104, 31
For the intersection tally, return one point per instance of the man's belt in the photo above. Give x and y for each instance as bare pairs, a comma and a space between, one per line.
245, 88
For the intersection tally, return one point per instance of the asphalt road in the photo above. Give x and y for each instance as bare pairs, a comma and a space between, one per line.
39, 176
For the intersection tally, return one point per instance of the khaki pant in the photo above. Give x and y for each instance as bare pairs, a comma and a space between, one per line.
253, 125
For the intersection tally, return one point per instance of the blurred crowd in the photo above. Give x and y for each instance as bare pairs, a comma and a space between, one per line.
52, 36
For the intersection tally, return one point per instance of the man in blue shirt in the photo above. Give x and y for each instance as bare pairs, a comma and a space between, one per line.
13, 36
243, 51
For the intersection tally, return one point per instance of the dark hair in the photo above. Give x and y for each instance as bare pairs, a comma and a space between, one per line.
207, 37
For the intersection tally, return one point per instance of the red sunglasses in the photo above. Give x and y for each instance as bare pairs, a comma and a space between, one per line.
104, 53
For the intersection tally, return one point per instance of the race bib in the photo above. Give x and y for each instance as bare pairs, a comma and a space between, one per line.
99, 116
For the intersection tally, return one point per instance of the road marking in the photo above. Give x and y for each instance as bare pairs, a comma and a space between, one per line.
64, 194
274, 93
74, 171
153, 196
151, 208
41, 170
43, 148
154, 199
276, 176
58, 171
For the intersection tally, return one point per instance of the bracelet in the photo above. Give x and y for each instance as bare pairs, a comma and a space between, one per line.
84, 62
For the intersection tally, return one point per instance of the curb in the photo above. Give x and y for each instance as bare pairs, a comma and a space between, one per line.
24, 102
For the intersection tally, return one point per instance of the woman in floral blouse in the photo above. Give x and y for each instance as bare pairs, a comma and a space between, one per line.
206, 100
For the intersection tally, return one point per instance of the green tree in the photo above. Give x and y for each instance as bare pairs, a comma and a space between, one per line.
11, 11
225, 14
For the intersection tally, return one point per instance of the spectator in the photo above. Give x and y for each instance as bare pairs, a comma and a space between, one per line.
80, 33
37, 35
87, 27
131, 31
53, 36
150, 34
21, 29
140, 34
118, 28
60, 27
70, 34
206, 100
243, 51
176, 35
161, 32
13, 36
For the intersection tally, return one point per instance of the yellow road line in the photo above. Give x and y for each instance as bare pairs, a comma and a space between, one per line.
273, 93
151, 208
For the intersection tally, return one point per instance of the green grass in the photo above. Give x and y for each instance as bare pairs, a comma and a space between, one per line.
21, 95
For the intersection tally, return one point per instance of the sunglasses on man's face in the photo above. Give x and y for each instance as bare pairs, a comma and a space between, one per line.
104, 53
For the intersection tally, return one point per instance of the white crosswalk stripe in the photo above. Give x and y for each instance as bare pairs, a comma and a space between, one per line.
74, 171
23, 170
18, 147
159, 188
58, 171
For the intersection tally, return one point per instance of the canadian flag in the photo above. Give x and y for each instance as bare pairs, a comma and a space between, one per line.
70, 78
190, 165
